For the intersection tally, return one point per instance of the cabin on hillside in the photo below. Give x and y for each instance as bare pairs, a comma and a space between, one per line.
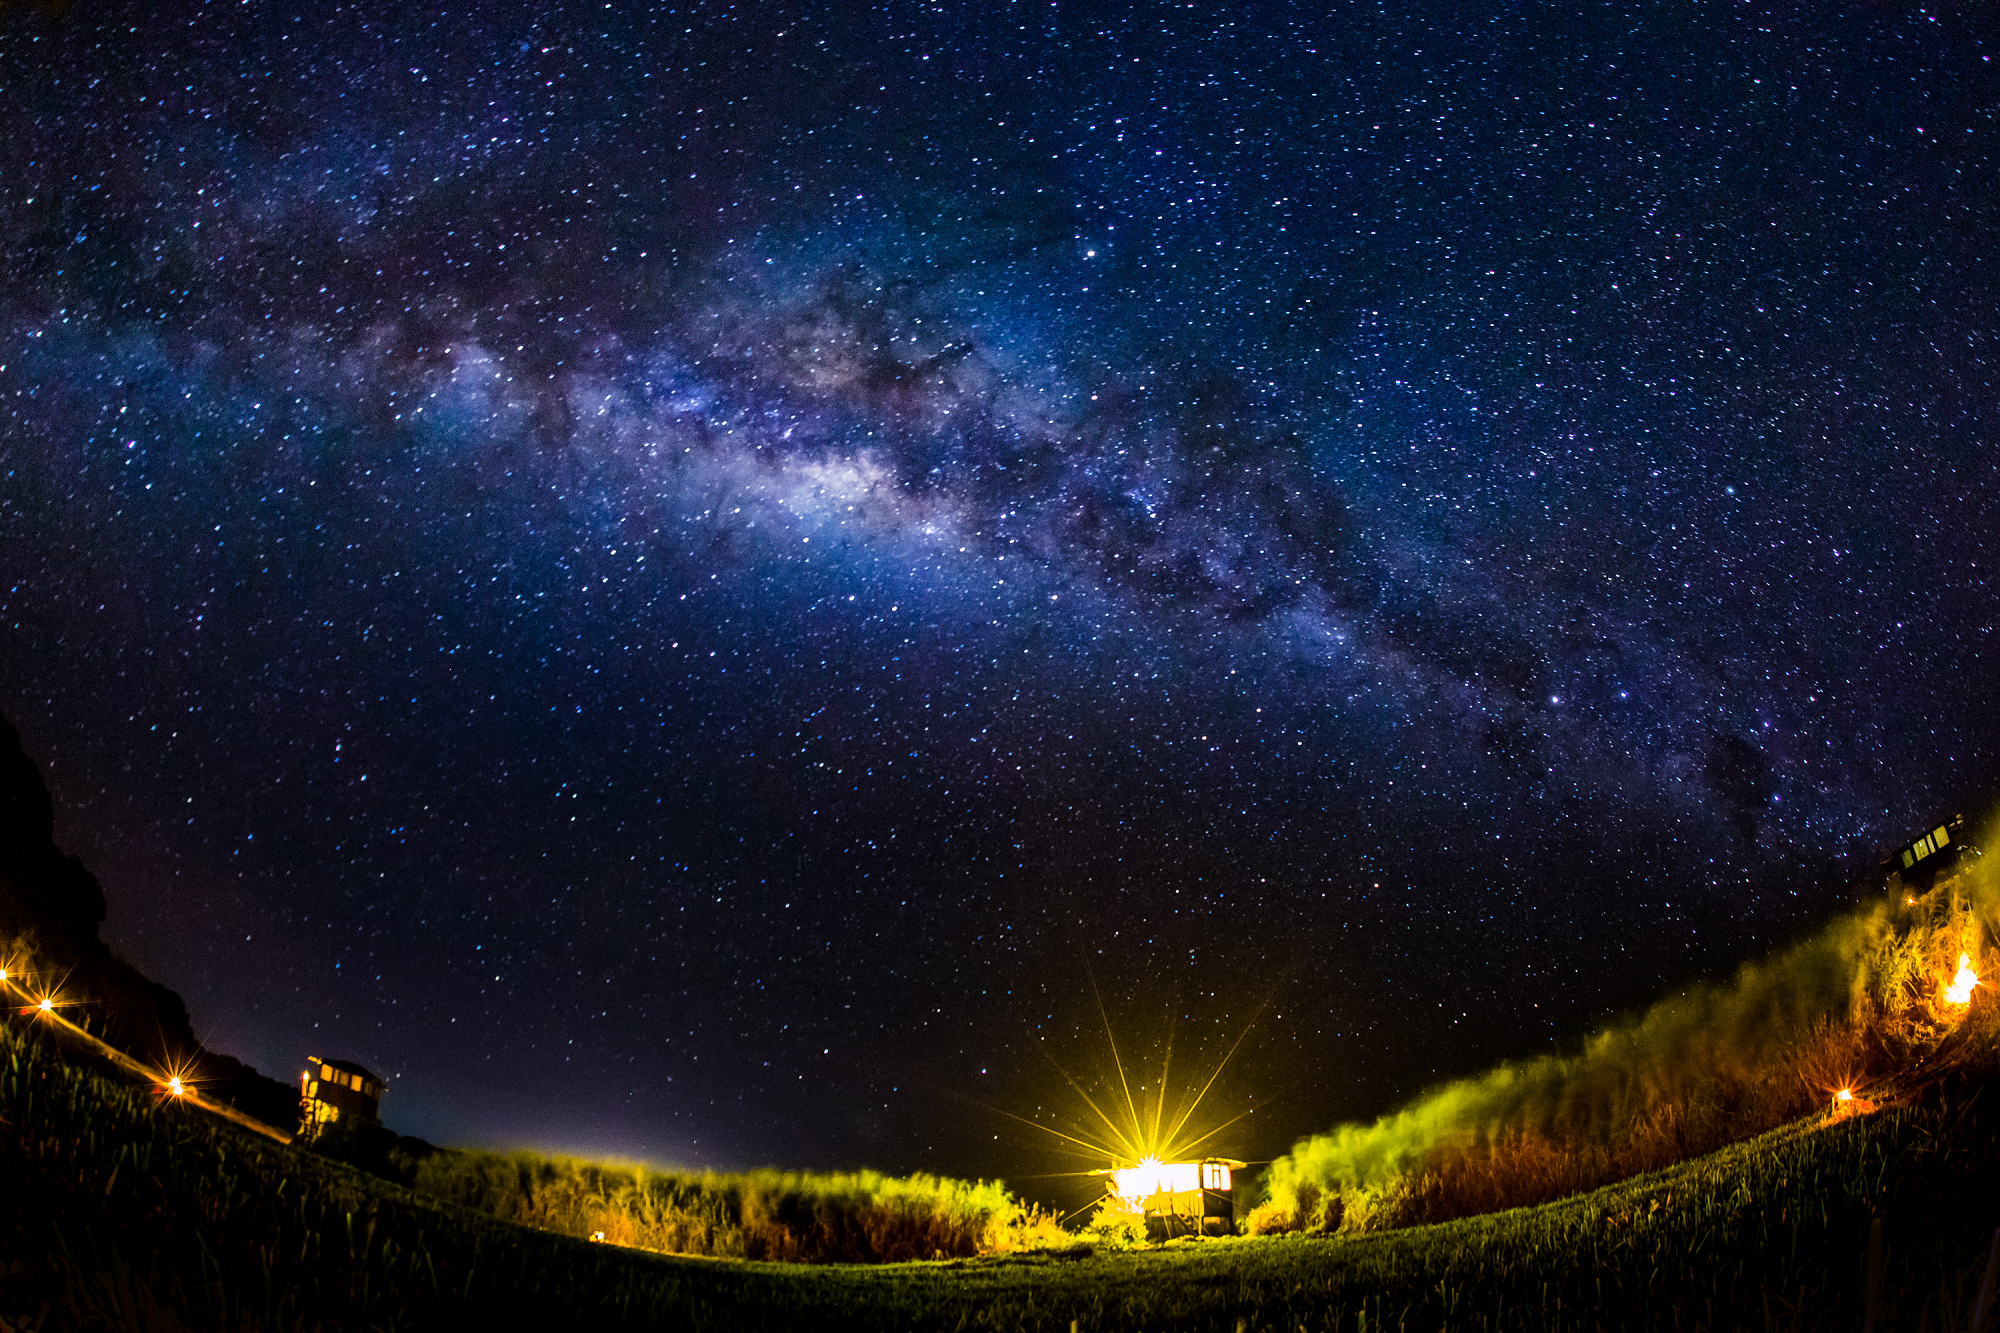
1179, 1198
336, 1090
1915, 866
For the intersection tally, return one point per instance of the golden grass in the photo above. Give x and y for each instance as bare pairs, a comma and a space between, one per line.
789, 1216
1859, 1006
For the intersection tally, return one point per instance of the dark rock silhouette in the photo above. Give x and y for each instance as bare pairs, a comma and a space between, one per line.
51, 907
40, 888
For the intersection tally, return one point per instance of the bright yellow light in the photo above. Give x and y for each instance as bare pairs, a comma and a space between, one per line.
1136, 1184
1845, 1094
1139, 1131
176, 1077
1960, 989
47, 1005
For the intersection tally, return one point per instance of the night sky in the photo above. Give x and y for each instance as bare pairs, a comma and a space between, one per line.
679, 581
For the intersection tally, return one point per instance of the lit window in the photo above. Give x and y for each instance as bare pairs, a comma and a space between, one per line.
1939, 836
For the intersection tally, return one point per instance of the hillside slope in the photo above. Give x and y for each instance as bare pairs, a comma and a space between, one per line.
119, 1211
51, 905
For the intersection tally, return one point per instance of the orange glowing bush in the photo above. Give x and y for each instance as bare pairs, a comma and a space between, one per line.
1882, 1002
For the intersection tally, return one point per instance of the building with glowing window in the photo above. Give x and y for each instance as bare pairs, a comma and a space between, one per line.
1916, 865
336, 1090
1179, 1198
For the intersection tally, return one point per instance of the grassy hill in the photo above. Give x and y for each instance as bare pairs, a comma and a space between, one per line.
121, 1211
1883, 1000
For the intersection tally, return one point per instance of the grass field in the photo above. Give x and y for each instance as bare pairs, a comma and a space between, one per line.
120, 1212
853, 1217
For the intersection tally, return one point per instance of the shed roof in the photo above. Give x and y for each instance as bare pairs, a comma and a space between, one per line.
348, 1067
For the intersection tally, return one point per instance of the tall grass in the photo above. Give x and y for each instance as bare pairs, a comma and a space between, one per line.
120, 1211
1858, 1006
117, 1212
853, 1217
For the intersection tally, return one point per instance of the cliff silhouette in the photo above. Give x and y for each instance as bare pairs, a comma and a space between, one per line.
50, 910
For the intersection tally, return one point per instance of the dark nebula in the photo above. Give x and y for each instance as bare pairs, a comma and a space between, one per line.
679, 580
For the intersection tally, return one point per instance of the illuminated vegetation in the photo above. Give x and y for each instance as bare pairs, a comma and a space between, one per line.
852, 1217
1880, 1004
123, 1207
120, 1210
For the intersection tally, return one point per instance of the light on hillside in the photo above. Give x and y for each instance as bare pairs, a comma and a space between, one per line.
176, 1078
1136, 1184
1960, 989
1845, 1095
1176, 1198
1156, 1165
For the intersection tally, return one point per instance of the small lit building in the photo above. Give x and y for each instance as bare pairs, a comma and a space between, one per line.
1179, 1198
1916, 865
335, 1090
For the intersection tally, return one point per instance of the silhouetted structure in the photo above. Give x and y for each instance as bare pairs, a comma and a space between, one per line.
1915, 866
336, 1090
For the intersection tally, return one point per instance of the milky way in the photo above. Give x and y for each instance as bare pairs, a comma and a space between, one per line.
675, 580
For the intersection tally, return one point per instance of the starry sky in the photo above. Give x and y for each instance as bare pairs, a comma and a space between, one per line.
699, 582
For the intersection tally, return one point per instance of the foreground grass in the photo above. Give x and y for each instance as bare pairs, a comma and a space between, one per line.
117, 1212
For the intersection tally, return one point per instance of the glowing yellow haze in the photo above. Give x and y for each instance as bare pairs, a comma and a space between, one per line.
1136, 1184
1960, 989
